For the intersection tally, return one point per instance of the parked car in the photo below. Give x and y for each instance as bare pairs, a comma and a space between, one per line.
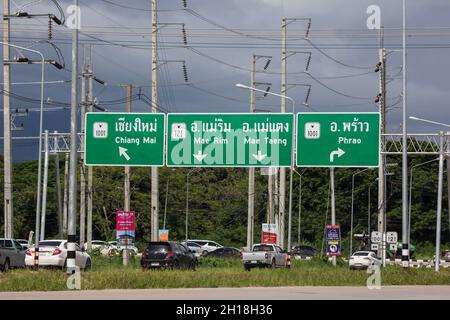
225, 253
264, 255
304, 251
447, 255
194, 247
24, 243
118, 247
171, 255
97, 244
53, 253
207, 245
363, 260
12, 255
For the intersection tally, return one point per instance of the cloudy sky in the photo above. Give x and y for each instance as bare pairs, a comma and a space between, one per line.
221, 37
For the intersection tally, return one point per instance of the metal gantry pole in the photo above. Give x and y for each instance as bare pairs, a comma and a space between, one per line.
7, 155
187, 205
291, 178
154, 174
439, 202
44, 189
299, 211
126, 180
73, 153
405, 245
333, 206
165, 203
448, 178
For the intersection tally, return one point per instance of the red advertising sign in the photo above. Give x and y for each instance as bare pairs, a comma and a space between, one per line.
269, 233
125, 223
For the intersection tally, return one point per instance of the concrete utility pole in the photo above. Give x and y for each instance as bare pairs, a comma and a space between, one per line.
126, 184
73, 153
381, 169
82, 167
405, 245
333, 205
7, 155
282, 194
58, 191
90, 168
66, 194
44, 189
154, 180
251, 171
448, 179
439, 202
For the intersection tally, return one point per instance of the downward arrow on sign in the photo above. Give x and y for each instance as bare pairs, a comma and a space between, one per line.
200, 156
259, 157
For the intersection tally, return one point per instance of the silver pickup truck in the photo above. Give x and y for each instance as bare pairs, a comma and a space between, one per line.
264, 255
12, 255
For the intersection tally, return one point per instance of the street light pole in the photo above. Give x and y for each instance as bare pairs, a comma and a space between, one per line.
239, 85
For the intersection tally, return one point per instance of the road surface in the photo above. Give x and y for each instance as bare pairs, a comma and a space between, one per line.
281, 293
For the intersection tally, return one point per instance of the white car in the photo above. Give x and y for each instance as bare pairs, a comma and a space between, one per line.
24, 243
207, 245
53, 253
195, 247
114, 245
97, 244
363, 260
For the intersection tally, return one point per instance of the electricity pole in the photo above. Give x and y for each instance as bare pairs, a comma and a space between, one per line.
154, 179
282, 191
405, 245
448, 178
73, 151
58, 192
66, 194
90, 168
251, 171
381, 67
82, 167
7, 156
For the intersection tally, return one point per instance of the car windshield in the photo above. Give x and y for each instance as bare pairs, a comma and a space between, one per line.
159, 247
262, 248
361, 254
50, 243
22, 241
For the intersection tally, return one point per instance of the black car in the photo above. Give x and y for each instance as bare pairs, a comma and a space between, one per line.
304, 251
171, 255
225, 253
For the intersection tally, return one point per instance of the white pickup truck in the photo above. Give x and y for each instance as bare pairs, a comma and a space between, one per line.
264, 255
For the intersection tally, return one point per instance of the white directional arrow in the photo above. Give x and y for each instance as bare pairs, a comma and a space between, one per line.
200, 156
123, 153
259, 157
339, 152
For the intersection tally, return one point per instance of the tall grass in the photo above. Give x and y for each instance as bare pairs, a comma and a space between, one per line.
108, 273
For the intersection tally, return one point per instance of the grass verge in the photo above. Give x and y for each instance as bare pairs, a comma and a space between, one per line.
108, 273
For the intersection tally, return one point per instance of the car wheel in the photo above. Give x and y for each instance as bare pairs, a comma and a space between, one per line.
6, 266
176, 265
204, 253
193, 265
273, 265
87, 265
247, 268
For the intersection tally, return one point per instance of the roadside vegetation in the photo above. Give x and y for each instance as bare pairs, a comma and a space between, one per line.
108, 273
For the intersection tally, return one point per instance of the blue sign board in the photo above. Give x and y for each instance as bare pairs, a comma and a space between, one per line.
333, 234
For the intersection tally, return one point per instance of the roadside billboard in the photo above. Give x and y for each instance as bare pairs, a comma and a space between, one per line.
125, 225
269, 233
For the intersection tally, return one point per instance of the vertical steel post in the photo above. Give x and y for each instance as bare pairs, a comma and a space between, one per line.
44, 189
58, 188
90, 168
333, 205
82, 167
251, 171
439, 202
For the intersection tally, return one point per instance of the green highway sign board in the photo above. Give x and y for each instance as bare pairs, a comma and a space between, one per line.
124, 139
229, 140
338, 139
